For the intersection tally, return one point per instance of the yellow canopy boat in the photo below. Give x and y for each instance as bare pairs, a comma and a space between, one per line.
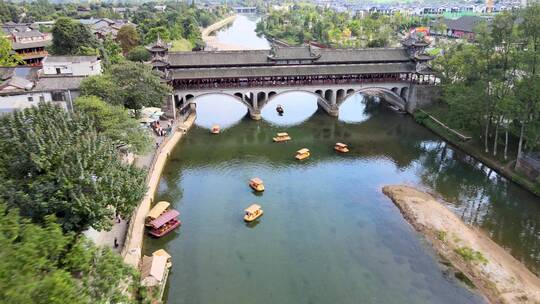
257, 184
252, 213
282, 136
302, 154
340, 147
215, 129
159, 209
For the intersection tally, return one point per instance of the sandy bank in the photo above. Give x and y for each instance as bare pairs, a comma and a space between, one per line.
211, 41
498, 275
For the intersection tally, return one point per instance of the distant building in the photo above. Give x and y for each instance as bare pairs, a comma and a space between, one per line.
160, 8
103, 27
27, 41
58, 82
461, 28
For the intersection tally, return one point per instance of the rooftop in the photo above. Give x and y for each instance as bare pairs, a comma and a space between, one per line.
71, 59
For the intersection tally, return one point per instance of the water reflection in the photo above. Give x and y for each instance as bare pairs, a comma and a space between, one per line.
220, 109
298, 107
358, 108
241, 33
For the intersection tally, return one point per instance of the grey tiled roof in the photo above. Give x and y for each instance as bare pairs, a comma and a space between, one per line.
27, 45
260, 57
58, 83
288, 70
54, 59
465, 23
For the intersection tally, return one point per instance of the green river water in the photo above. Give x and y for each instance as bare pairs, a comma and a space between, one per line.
328, 234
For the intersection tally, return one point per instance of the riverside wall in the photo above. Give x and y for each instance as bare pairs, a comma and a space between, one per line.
132, 251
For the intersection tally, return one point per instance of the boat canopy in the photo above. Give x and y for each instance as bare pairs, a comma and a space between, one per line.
282, 134
341, 145
164, 218
161, 252
158, 209
302, 151
215, 127
256, 180
252, 209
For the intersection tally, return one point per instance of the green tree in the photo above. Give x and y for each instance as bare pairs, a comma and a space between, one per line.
153, 34
72, 38
7, 58
115, 123
103, 86
139, 54
58, 164
40, 264
111, 52
128, 38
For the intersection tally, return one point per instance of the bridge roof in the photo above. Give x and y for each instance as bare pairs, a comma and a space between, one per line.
291, 70
261, 57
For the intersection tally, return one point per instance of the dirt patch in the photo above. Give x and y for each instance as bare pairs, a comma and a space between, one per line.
498, 275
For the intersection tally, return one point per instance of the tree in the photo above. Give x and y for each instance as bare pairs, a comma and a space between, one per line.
72, 38
53, 162
115, 123
7, 58
153, 34
128, 38
104, 87
139, 54
40, 264
111, 52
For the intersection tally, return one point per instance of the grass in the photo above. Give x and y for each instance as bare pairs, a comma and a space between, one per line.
470, 255
181, 45
441, 235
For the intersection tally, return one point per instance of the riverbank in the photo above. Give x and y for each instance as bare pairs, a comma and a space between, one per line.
498, 275
473, 150
211, 40
132, 249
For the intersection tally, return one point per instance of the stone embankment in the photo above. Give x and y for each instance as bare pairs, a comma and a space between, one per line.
211, 41
132, 250
498, 275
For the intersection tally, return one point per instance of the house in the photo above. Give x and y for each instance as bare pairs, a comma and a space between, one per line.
71, 65
58, 81
160, 8
461, 28
27, 41
103, 27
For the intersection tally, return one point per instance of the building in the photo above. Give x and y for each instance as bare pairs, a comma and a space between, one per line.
27, 41
71, 65
103, 27
461, 28
57, 81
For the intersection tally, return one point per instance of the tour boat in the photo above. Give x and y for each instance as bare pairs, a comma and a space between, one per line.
282, 137
164, 224
341, 148
163, 253
280, 110
302, 154
252, 213
215, 129
155, 212
257, 184
396, 109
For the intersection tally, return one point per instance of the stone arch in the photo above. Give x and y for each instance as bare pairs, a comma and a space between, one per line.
340, 94
320, 93
270, 94
395, 90
328, 95
404, 93
261, 99
189, 97
389, 95
350, 92
239, 95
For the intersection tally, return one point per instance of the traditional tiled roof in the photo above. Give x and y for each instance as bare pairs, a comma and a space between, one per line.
260, 57
465, 23
292, 53
26, 45
76, 59
27, 34
291, 70
60, 83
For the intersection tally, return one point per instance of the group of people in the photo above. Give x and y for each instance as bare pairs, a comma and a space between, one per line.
159, 130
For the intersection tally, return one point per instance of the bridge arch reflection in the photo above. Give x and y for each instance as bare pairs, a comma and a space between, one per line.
299, 106
222, 109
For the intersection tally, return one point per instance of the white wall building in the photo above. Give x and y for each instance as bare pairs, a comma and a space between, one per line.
71, 65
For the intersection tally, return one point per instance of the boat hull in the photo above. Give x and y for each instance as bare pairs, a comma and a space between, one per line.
341, 150
258, 188
252, 218
158, 234
281, 139
302, 156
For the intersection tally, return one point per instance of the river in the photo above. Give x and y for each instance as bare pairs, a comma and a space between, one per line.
328, 234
